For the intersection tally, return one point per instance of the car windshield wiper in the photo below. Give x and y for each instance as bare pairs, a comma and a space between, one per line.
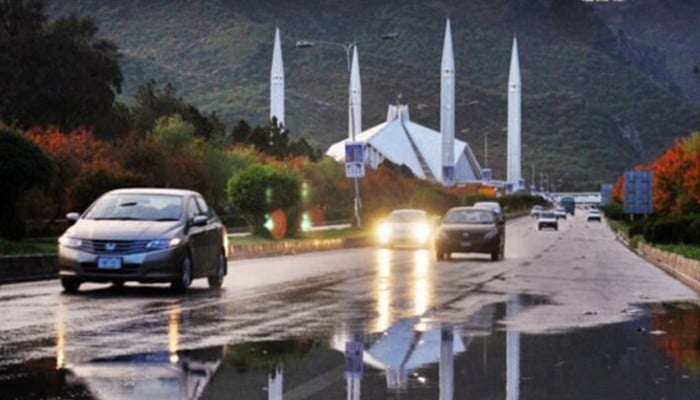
168, 219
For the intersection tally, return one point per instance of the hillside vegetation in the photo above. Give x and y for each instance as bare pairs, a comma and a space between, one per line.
588, 113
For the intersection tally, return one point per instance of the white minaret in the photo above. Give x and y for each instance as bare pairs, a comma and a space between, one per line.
447, 106
277, 81
355, 101
514, 120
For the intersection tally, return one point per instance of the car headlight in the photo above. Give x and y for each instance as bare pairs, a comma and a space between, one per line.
162, 244
70, 242
420, 232
384, 232
491, 234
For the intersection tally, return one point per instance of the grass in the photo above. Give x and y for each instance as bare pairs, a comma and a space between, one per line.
686, 250
329, 234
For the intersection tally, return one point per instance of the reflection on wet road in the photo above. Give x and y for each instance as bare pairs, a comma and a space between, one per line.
568, 314
631, 360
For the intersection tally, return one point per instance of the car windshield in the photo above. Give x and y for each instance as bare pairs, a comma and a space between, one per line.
140, 207
406, 216
468, 217
548, 215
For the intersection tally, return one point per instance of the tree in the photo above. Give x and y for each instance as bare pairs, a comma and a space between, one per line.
152, 104
23, 165
241, 133
68, 76
259, 190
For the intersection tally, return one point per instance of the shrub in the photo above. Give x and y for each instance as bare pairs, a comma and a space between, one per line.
258, 190
92, 183
614, 211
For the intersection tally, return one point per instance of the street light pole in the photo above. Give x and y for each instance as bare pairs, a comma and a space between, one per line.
349, 48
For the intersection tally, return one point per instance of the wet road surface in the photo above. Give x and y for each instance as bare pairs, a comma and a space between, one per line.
569, 314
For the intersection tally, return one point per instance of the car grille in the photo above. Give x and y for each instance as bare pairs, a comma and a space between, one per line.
114, 246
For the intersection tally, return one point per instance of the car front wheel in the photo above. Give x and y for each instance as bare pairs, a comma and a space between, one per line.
216, 280
70, 285
184, 279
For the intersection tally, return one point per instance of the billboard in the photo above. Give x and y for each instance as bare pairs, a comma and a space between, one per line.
354, 160
638, 190
606, 194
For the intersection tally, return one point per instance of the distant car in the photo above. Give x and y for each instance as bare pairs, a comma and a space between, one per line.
547, 219
495, 206
594, 215
406, 227
144, 235
470, 230
560, 212
536, 211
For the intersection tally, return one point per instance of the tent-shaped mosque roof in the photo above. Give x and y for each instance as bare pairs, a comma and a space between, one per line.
404, 142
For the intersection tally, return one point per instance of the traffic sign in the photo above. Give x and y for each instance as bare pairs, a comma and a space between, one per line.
353, 358
354, 160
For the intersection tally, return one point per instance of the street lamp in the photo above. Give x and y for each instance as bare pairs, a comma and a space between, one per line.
348, 48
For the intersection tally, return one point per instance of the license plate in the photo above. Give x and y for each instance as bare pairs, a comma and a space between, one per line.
465, 244
109, 263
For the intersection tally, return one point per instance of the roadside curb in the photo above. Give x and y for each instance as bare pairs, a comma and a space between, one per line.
25, 268
685, 270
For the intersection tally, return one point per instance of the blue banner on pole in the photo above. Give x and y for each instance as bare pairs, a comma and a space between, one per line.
354, 160
354, 358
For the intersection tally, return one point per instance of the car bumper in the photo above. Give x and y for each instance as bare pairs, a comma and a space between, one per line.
469, 245
543, 225
154, 266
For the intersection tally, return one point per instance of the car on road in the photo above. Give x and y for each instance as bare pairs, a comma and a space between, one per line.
560, 212
495, 206
548, 219
535, 211
594, 215
405, 227
470, 230
145, 235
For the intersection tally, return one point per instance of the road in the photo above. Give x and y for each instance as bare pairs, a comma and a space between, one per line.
568, 314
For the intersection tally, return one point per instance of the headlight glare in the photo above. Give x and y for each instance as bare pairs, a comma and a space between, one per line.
421, 232
384, 232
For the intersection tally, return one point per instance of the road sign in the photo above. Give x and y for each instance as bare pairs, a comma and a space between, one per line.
354, 160
353, 358
486, 175
638, 190
448, 175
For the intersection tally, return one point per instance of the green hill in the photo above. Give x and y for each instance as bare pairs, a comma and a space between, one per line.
589, 109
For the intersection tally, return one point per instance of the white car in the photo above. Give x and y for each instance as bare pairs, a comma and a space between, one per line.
547, 219
536, 211
560, 212
594, 215
407, 227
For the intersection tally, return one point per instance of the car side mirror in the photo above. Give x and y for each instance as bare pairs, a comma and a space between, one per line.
199, 220
73, 216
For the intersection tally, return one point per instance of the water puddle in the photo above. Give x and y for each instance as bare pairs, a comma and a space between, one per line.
654, 356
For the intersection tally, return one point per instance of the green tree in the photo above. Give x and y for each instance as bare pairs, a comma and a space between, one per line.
23, 165
68, 76
173, 133
152, 104
260, 189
